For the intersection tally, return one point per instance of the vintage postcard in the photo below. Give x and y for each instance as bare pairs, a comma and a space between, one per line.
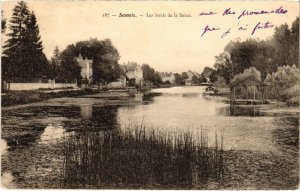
200, 95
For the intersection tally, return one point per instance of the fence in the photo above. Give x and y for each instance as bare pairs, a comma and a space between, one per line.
34, 86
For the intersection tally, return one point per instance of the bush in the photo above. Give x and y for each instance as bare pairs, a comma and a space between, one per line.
250, 72
284, 83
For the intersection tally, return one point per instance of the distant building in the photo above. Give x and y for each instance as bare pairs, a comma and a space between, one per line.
134, 72
207, 72
167, 76
133, 75
189, 80
86, 68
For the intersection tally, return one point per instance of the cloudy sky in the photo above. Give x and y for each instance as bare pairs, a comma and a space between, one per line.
167, 43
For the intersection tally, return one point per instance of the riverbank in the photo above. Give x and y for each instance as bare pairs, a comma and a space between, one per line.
15, 98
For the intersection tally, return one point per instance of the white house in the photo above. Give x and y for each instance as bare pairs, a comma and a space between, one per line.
86, 68
132, 71
167, 76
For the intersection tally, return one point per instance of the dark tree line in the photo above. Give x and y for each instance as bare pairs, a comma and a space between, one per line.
180, 79
264, 55
23, 58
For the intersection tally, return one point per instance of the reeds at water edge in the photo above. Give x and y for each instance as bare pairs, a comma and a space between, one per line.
137, 157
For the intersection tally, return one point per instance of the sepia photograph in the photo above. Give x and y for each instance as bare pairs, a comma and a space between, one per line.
152, 95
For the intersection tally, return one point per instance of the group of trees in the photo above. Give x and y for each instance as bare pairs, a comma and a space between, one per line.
151, 75
104, 58
23, 58
265, 55
268, 57
284, 84
180, 79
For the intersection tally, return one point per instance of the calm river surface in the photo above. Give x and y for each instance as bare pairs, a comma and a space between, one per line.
31, 135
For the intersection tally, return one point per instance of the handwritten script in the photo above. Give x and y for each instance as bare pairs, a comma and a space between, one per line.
261, 25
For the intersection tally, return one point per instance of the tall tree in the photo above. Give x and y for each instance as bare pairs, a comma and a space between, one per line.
3, 23
151, 75
282, 45
37, 58
105, 62
54, 65
294, 49
14, 62
69, 68
195, 79
23, 57
224, 67
56, 53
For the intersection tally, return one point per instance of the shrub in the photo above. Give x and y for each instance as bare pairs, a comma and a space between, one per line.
284, 83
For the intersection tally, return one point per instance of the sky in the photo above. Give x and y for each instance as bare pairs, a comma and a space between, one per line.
168, 44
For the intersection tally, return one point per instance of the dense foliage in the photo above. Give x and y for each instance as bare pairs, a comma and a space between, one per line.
151, 75
265, 55
274, 60
220, 83
23, 58
103, 54
284, 84
248, 73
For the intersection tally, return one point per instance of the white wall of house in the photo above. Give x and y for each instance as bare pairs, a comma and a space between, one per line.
65, 85
136, 74
30, 86
171, 79
86, 68
121, 83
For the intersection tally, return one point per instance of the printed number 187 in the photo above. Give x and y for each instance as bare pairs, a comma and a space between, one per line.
105, 15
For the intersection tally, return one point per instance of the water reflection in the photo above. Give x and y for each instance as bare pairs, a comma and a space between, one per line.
52, 132
245, 111
86, 111
238, 110
23, 140
186, 109
105, 116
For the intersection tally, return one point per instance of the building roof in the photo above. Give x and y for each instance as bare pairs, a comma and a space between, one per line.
130, 66
82, 62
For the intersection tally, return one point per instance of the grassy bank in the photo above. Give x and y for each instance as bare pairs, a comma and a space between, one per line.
137, 158
31, 96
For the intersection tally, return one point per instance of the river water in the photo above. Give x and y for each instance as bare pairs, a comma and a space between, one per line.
31, 135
